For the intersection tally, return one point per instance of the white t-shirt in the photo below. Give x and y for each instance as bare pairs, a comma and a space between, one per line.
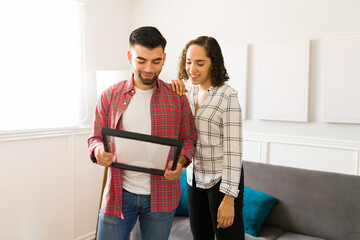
137, 118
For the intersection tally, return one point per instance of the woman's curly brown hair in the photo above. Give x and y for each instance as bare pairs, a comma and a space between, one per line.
218, 73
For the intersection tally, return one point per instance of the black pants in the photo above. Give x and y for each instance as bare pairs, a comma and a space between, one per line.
203, 208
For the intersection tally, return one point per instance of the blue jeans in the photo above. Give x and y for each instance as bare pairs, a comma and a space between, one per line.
153, 225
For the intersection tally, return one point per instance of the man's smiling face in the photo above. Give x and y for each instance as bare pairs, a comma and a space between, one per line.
147, 64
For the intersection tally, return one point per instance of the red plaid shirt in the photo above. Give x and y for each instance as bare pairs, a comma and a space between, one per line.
171, 117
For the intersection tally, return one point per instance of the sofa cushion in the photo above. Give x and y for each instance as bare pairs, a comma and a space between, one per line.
182, 209
295, 236
180, 229
257, 206
267, 232
312, 203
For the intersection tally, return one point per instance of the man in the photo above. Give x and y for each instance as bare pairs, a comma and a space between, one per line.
143, 104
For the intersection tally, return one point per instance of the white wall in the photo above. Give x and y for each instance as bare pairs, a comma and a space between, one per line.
49, 187
107, 28
252, 22
51, 190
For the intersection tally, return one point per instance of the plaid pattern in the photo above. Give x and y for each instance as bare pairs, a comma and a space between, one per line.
218, 151
170, 117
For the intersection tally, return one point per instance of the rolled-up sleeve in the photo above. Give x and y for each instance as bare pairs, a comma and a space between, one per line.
232, 159
100, 121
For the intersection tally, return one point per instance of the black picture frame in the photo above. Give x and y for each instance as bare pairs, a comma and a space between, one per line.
177, 144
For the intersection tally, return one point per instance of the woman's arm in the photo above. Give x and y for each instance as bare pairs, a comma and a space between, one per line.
232, 135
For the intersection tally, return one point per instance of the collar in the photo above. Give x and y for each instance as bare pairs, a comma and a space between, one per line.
210, 90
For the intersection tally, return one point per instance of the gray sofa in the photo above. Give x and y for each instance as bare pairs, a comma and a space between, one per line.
312, 205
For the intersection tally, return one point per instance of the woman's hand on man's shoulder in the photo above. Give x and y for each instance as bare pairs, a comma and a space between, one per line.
178, 86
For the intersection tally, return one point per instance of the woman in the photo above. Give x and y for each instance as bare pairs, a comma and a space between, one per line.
215, 177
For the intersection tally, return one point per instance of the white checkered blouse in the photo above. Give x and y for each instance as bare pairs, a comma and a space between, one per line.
219, 146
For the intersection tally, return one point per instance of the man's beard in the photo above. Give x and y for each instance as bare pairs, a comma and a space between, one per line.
146, 81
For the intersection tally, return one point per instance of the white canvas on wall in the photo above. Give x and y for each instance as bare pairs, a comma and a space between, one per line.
235, 58
342, 80
282, 81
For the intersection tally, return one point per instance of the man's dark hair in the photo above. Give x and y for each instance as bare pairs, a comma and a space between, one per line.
149, 37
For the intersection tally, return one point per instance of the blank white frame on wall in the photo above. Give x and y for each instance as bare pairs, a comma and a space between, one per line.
282, 80
342, 80
235, 58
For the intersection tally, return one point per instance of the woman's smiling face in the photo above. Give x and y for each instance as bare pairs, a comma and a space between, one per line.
198, 66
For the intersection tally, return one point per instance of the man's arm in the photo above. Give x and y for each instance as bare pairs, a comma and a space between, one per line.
188, 132
175, 174
183, 160
100, 121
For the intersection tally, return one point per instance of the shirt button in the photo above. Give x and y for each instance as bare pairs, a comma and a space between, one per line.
132, 91
125, 103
